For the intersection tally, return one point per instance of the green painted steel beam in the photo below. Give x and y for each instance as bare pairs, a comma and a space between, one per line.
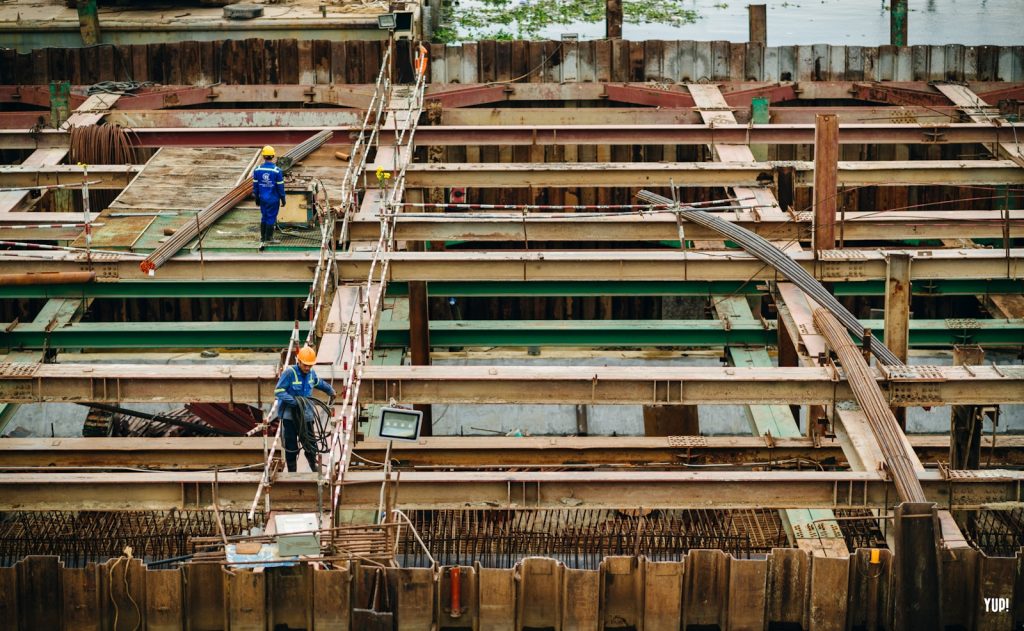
467, 289
777, 420
578, 333
161, 289
299, 289
144, 335
693, 333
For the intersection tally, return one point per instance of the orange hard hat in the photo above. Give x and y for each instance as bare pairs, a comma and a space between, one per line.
307, 355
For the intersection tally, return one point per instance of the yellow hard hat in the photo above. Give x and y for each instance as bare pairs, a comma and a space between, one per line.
307, 355
268, 151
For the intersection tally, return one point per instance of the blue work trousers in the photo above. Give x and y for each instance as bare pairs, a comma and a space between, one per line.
292, 438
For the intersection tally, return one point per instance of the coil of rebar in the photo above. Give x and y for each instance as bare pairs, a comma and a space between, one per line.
101, 144
764, 251
207, 216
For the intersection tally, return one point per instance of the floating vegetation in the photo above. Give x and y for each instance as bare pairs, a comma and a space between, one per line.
525, 19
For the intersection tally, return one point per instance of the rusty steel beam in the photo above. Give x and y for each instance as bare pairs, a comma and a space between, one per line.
736, 94
469, 452
575, 265
872, 114
110, 176
484, 225
442, 490
898, 94
703, 174
127, 383
472, 451
247, 129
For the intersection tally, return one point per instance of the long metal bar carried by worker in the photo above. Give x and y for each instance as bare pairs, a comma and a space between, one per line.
205, 218
764, 251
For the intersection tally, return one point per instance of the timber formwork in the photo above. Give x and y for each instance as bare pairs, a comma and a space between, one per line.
527, 215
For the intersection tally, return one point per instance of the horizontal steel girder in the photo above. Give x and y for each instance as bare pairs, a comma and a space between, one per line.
677, 116
676, 386
695, 288
150, 335
702, 174
933, 266
485, 225
162, 289
451, 490
651, 265
298, 289
108, 176
603, 333
256, 134
916, 386
736, 94
639, 333
471, 451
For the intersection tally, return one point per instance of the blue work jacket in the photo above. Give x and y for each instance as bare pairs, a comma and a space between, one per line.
295, 383
268, 184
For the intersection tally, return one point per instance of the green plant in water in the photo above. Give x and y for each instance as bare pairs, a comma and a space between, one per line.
527, 18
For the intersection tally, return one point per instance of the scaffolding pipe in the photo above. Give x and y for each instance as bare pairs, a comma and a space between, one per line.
206, 217
764, 251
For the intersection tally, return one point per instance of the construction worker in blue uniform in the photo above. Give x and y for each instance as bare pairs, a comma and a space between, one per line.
298, 381
268, 189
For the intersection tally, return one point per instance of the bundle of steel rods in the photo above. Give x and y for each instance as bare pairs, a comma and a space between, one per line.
764, 251
206, 217
880, 418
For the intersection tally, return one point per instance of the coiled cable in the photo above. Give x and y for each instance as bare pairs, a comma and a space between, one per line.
313, 432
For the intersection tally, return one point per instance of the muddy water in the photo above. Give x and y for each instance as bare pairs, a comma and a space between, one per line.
849, 22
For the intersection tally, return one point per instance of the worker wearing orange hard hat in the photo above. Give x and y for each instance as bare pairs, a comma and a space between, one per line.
268, 189
294, 389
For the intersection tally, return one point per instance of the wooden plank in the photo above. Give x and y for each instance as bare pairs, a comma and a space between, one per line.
747, 582
497, 599
165, 596
663, 596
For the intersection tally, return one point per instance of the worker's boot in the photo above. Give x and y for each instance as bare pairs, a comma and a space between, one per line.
263, 236
270, 233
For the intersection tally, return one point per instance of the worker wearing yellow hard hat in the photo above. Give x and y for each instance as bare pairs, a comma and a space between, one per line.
268, 189
294, 391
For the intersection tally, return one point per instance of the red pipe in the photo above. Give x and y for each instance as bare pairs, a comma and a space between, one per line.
455, 574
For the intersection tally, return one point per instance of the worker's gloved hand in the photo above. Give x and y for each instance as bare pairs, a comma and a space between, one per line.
282, 203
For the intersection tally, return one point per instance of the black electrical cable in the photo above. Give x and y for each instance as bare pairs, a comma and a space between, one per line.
313, 433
